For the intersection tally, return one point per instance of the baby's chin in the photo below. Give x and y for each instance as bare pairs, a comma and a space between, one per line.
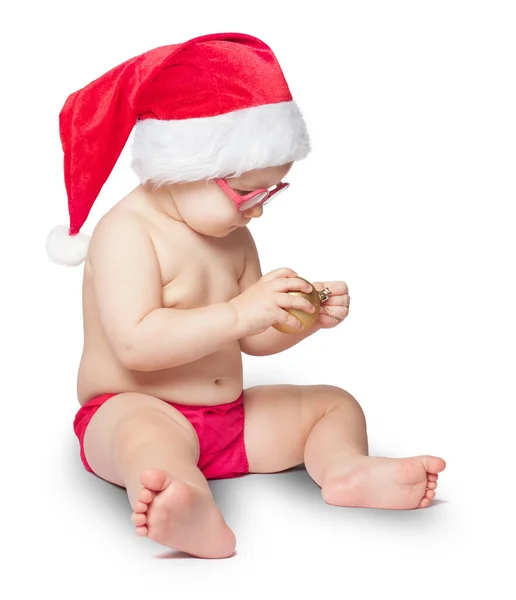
223, 230
239, 226
230, 228
220, 233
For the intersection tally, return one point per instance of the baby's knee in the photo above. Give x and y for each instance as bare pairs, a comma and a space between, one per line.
132, 419
334, 397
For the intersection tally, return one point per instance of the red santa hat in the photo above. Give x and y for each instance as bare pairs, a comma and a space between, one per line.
214, 106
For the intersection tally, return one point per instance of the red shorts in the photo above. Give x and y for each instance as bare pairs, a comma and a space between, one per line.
220, 430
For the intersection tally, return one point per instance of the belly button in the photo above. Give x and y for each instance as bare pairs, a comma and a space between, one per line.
218, 381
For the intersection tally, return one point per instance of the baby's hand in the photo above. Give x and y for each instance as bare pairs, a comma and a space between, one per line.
262, 305
336, 308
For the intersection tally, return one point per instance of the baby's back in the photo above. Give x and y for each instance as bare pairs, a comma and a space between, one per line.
194, 271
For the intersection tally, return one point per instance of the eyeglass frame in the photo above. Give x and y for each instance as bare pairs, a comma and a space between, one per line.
241, 201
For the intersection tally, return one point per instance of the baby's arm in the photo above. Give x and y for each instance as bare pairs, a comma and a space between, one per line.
271, 341
144, 335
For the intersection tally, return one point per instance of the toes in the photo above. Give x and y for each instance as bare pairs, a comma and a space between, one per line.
141, 531
140, 507
432, 476
155, 480
427, 498
146, 496
433, 464
425, 502
139, 519
431, 485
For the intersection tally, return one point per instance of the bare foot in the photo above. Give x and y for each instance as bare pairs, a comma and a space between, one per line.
181, 516
389, 483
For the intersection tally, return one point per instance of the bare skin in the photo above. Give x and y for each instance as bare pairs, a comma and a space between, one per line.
173, 294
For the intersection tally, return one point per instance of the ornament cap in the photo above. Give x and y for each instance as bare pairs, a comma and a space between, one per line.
324, 294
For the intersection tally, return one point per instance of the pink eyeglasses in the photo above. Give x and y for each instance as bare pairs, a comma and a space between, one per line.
255, 198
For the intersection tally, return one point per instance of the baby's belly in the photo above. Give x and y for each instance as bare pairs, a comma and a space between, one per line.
215, 379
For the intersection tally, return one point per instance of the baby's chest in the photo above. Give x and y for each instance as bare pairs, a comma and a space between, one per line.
201, 275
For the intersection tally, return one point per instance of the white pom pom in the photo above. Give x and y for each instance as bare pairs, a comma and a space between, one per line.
65, 249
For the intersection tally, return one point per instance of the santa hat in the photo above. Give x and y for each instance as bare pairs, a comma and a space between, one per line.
214, 106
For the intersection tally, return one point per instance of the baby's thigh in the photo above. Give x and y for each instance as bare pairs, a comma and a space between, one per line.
278, 421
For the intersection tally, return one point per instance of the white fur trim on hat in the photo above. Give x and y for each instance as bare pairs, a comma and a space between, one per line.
228, 144
65, 249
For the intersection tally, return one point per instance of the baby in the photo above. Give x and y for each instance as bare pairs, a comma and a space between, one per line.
173, 294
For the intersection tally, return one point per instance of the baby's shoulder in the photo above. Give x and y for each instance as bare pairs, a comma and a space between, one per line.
120, 231
119, 221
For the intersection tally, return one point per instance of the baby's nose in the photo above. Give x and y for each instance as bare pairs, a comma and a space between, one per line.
254, 212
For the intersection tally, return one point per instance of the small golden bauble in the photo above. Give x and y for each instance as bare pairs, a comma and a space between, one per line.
307, 319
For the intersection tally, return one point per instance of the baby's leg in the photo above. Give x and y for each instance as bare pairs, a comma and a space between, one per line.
324, 427
147, 446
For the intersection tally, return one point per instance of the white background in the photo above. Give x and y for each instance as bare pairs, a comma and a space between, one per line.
408, 196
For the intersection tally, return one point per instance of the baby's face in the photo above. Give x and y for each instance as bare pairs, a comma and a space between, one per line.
210, 210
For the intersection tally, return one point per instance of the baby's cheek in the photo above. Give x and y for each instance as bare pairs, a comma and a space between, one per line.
212, 223
220, 216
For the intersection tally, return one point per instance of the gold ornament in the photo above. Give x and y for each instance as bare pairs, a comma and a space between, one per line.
307, 319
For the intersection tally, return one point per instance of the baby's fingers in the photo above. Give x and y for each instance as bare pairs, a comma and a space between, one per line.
285, 318
333, 316
344, 300
288, 301
291, 284
278, 273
